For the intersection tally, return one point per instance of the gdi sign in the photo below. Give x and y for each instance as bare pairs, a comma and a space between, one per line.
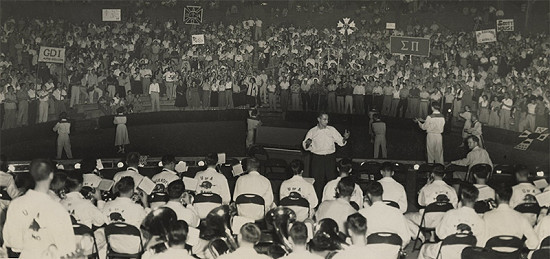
51, 54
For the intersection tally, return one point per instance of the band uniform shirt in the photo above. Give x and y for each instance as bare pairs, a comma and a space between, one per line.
165, 177
394, 191
254, 183
505, 221
210, 181
83, 210
299, 185
123, 209
523, 193
464, 215
384, 218
429, 192
329, 192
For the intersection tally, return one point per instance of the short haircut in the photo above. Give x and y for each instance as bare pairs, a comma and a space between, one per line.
375, 189
211, 159
345, 187
376, 116
436, 105
125, 184
176, 189
132, 158
177, 234
357, 223
252, 164
168, 159
73, 181
523, 172
296, 166
24, 181
386, 167
41, 169
469, 192
298, 232
254, 112
474, 138
480, 172
439, 170
321, 113
505, 193
344, 165
250, 233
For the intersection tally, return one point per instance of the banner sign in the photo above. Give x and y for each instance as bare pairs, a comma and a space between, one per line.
197, 39
51, 55
505, 25
390, 26
192, 15
111, 15
485, 36
410, 46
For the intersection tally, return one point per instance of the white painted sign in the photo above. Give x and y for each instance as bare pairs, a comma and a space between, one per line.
505, 25
197, 39
390, 26
485, 36
51, 55
111, 15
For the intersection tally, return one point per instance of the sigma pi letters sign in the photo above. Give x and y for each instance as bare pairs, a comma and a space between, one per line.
410, 46
51, 55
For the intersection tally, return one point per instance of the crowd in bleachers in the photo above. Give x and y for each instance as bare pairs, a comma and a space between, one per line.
287, 67
50, 212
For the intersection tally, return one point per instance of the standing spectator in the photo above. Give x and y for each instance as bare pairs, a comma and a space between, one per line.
493, 116
272, 94
467, 116
181, 93
348, 102
63, 129
121, 137
284, 87
541, 113
295, 95
377, 92
401, 109
379, 130
76, 80
413, 103
434, 125
206, 88
23, 106
306, 98
170, 79
507, 104
388, 94
340, 98
253, 122
359, 98
484, 109
320, 141
35, 223
60, 97
43, 96
123, 85
10, 108
154, 92
424, 101
145, 73
252, 92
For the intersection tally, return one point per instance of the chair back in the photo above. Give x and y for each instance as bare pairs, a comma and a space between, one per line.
385, 244
391, 203
299, 205
478, 253
453, 245
123, 240
86, 239
543, 253
205, 202
530, 211
482, 206
250, 206
545, 243
505, 244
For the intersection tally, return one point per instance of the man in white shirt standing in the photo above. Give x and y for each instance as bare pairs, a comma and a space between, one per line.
507, 104
254, 183
434, 125
37, 226
167, 175
382, 217
393, 191
344, 168
298, 185
154, 92
320, 142
506, 221
210, 181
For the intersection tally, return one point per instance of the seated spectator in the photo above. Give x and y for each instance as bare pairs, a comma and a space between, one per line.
340, 208
168, 173
254, 183
35, 223
382, 217
176, 191
524, 191
248, 236
393, 191
210, 181
298, 239
506, 221
344, 169
297, 184
123, 208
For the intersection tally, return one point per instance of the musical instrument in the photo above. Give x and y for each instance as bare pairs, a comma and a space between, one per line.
218, 221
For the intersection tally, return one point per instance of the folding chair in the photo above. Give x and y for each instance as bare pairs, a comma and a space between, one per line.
84, 234
385, 245
433, 213
502, 175
505, 246
478, 253
391, 203
369, 171
544, 251
298, 204
205, 202
453, 245
251, 206
483, 206
530, 211
123, 241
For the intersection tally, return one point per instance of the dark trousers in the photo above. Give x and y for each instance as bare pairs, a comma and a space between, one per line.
402, 105
323, 169
378, 100
306, 101
33, 112
368, 102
